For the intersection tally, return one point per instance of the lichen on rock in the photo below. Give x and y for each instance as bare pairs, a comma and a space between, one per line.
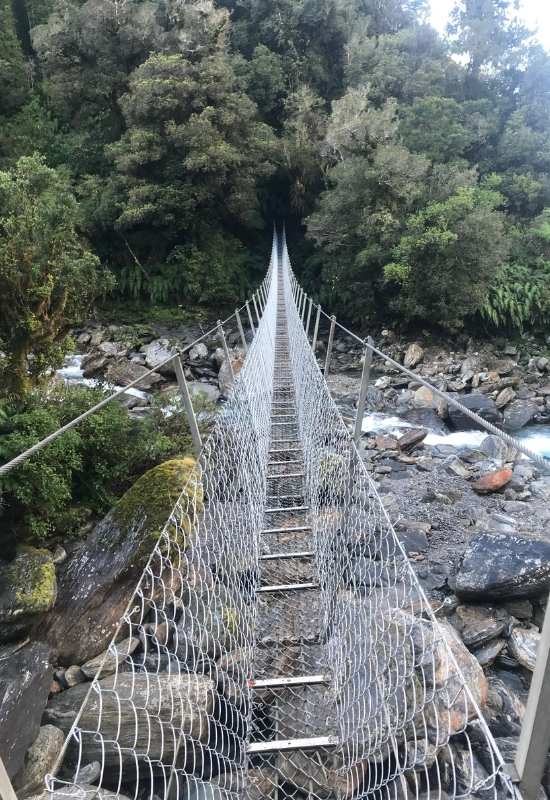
29, 588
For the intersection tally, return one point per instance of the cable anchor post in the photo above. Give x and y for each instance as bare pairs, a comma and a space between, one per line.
362, 399
225, 349
241, 330
329, 345
188, 405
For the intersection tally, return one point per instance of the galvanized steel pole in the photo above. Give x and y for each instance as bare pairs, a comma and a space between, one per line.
250, 320
258, 316
316, 329
241, 330
329, 345
188, 405
226, 348
534, 740
361, 402
309, 317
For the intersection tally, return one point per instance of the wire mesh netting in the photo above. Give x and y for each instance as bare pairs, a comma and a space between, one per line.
278, 644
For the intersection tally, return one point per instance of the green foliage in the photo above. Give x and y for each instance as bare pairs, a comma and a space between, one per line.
79, 475
48, 277
14, 75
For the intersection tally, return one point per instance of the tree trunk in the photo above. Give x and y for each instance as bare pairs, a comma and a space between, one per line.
17, 380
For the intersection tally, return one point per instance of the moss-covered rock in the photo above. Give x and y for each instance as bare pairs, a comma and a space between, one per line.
28, 588
96, 582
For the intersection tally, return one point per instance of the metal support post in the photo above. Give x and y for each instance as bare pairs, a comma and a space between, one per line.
250, 320
188, 405
226, 349
309, 317
329, 345
534, 740
316, 329
258, 315
365, 378
303, 314
6, 789
241, 330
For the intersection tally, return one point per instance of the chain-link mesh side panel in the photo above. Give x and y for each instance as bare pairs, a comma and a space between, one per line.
168, 714
406, 695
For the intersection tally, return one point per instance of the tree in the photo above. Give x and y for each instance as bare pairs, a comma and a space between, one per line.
448, 256
48, 277
14, 81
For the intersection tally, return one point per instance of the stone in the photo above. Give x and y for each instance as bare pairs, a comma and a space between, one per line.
25, 679
424, 398
109, 661
520, 608
542, 363
518, 414
411, 438
482, 405
487, 654
199, 352
225, 380
504, 397
122, 373
98, 578
497, 449
39, 761
83, 338
151, 723
427, 418
523, 645
203, 391
92, 364
456, 466
479, 624
413, 541
413, 355
492, 481
28, 589
156, 353
72, 676
501, 566
385, 442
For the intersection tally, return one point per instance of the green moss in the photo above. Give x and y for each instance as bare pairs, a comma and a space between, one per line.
149, 503
31, 581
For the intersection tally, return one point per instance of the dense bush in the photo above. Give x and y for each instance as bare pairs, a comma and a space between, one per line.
79, 475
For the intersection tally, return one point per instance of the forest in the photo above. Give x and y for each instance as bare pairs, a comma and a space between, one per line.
148, 146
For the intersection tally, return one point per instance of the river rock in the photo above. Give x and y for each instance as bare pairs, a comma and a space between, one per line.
500, 566
482, 405
203, 391
28, 588
39, 761
25, 678
149, 719
80, 792
225, 379
492, 481
156, 353
92, 364
122, 373
479, 624
487, 654
497, 449
198, 352
411, 438
523, 645
413, 355
504, 397
518, 414
96, 581
111, 659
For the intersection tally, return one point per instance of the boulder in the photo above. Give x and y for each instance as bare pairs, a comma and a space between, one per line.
426, 418
198, 352
413, 355
96, 581
497, 449
523, 645
203, 391
28, 588
225, 380
518, 414
426, 398
492, 481
39, 761
92, 364
111, 659
487, 654
122, 373
25, 678
156, 353
483, 406
479, 624
411, 438
501, 566
155, 709
504, 397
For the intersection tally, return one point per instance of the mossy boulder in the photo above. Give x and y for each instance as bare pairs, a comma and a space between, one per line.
96, 582
28, 589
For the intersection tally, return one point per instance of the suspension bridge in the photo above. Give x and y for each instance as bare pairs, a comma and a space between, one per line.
278, 644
